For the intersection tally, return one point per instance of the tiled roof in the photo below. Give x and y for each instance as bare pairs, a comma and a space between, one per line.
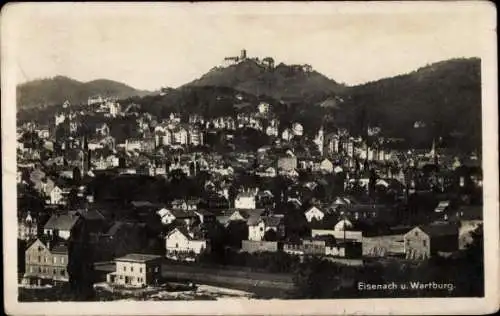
62, 221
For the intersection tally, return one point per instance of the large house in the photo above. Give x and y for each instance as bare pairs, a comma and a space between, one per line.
423, 242
136, 270
246, 200
27, 228
61, 225
46, 260
258, 226
181, 241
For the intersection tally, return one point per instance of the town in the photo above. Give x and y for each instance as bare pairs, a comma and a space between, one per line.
135, 199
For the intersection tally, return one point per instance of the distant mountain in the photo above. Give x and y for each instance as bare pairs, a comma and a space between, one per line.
53, 91
439, 100
283, 82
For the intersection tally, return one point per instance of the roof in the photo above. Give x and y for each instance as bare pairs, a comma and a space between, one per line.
91, 215
439, 229
138, 257
269, 221
62, 221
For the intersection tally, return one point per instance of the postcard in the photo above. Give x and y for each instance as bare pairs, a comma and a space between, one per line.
250, 158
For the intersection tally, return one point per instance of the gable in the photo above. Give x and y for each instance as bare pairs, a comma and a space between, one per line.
416, 232
176, 234
314, 210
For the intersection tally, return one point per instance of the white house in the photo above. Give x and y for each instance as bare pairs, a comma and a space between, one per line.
56, 195
245, 200
181, 241
314, 213
263, 107
298, 129
181, 136
287, 134
326, 166
61, 225
259, 225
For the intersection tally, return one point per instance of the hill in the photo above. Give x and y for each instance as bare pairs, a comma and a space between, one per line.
53, 91
443, 98
283, 82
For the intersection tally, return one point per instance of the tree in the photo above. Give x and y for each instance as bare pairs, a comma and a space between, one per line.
80, 265
270, 235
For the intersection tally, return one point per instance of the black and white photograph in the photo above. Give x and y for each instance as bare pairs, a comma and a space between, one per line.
198, 153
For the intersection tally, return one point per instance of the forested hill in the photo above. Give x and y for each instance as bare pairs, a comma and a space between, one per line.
283, 82
445, 96
54, 91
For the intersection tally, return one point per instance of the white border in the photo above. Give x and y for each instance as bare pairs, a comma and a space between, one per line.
434, 306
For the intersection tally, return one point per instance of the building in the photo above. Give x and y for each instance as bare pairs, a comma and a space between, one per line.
326, 166
297, 129
183, 242
423, 242
314, 213
61, 225
46, 261
246, 200
258, 226
27, 228
136, 270
287, 163
263, 108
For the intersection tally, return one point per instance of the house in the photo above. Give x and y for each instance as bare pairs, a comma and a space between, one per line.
181, 241
61, 225
27, 228
314, 213
136, 270
263, 108
258, 226
55, 195
423, 242
180, 136
287, 163
268, 172
168, 216
287, 134
298, 129
46, 260
246, 200
326, 166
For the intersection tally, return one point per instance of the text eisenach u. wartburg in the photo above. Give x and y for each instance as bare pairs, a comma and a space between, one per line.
412, 285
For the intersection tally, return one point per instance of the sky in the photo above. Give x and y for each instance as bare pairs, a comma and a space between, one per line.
150, 46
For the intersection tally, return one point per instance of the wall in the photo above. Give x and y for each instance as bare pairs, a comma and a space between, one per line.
259, 246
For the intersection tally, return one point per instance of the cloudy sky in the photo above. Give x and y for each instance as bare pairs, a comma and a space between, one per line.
150, 46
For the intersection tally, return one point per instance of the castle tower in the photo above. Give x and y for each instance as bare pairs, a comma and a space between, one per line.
243, 54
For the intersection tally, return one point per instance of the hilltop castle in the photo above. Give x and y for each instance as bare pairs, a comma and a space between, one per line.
267, 62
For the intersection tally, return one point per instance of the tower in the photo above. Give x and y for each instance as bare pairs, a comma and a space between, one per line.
243, 54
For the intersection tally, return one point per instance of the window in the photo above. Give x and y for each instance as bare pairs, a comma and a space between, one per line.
39, 259
62, 272
54, 272
54, 260
132, 269
140, 270
424, 242
125, 268
62, 259
176, 245
156, 269
39, 270
31, 269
